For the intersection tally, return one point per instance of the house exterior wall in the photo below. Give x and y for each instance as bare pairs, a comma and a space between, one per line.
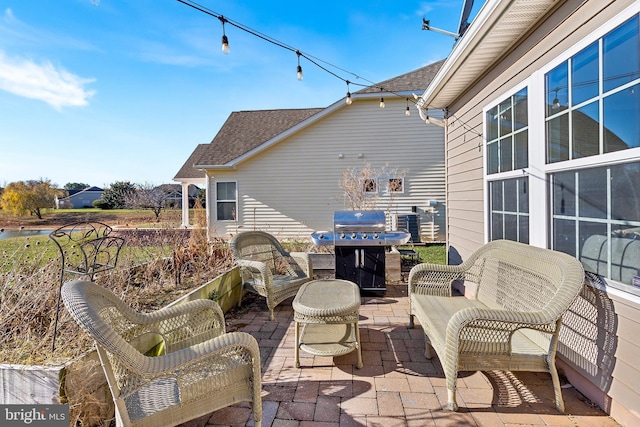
79, 200
598, 344
292, 188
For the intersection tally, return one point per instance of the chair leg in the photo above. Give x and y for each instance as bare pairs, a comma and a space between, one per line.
428, 349
451, 400
557, 390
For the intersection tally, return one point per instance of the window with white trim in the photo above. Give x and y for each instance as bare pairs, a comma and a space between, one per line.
592, 135
394, 185
226, 201
596, 218
370, 185
507, 126
509, 209
593, 98
578, 190
507, 146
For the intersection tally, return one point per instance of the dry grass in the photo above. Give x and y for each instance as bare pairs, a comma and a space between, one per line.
154, 268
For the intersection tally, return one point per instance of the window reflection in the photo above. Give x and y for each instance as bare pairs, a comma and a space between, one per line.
584, 75
621, 62
604, 109
596, 216
586, 131
621, 120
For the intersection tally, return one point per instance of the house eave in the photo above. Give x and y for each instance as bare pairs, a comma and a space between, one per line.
494, 31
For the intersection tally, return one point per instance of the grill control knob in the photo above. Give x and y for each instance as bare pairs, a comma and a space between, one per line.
376, 235
364, 236
353, 235
342, 236
320, 236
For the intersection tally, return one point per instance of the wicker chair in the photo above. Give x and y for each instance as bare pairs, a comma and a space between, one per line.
267, 269
169, 366
512, 322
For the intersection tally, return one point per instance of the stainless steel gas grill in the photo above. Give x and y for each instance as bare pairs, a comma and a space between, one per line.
360, 239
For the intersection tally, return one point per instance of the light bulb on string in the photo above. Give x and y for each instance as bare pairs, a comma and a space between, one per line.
348, 101
381, 100
225, 40
407, 111
299, 66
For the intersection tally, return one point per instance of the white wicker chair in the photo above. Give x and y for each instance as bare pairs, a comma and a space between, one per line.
169, 366
267, 269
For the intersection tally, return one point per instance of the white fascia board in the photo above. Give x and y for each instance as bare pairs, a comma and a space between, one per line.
462, 50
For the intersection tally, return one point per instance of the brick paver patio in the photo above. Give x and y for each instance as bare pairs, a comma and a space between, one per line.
397, 385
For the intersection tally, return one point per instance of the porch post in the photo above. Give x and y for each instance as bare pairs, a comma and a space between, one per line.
185, 205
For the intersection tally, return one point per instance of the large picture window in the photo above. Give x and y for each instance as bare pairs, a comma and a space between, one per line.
593, 98
596, 218
226, 201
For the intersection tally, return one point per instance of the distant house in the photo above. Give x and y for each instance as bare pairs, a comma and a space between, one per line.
542, 102
280, 170
78, 199
174, 194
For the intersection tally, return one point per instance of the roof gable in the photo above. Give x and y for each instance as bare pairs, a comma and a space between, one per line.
245, 130
416, 80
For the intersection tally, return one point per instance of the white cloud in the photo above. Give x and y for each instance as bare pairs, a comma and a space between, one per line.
55, 86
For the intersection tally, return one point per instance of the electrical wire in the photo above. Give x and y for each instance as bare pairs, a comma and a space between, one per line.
311, 58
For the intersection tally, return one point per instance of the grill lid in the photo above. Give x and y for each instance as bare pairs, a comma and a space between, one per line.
359, 221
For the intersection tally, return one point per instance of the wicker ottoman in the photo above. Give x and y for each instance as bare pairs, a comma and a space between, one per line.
328, 311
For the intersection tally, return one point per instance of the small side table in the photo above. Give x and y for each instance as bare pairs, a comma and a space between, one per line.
328, 310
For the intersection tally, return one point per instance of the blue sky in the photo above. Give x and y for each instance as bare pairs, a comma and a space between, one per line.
99, 91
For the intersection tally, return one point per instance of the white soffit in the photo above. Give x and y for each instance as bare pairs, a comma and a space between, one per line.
498, 25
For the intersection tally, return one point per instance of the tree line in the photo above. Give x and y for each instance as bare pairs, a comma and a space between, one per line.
33, 196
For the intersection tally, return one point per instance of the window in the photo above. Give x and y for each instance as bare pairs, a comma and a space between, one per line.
593, 98
507, 127
370, 185
395, 185
509, 210
596, 218
226, 201
592, 135
507, 150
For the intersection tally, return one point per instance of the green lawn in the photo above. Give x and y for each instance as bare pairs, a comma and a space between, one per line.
431, 253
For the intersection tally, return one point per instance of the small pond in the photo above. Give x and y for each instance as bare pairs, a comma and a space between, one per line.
9, 233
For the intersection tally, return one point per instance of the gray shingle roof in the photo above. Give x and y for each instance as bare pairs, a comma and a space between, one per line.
412, 81
187, 171
245, 130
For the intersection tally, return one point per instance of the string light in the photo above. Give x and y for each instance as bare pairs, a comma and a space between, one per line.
314, 60
299, 66
225, 40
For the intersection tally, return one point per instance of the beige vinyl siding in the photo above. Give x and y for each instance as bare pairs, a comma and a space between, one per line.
292, 188
601, 363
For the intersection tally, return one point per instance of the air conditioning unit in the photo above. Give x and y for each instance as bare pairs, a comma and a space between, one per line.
409, 222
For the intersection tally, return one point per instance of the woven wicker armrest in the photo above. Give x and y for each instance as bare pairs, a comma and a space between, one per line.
202, 356
434, 279
186, 323
304, 261
256, 267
